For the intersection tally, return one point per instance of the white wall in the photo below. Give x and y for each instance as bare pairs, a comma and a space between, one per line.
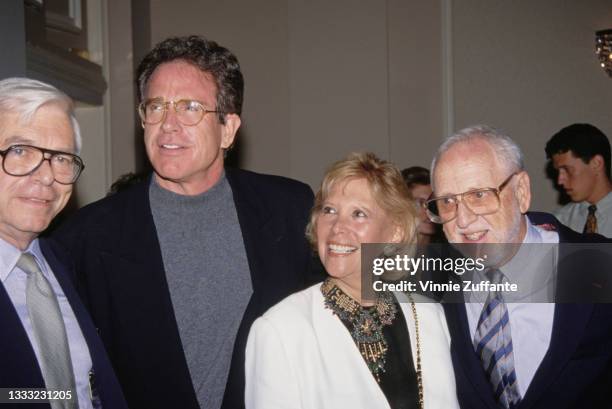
324, 78
529, 68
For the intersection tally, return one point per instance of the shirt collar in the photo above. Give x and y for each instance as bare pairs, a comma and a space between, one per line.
519, 261
605, 202
533, 234
533, 264
9, 255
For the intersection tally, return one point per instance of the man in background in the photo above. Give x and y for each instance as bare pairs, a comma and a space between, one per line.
47, 339
581, 155
175, 269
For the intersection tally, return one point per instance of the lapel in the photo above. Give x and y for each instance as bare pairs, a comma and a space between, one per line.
464, 356
19, 367
341, 356
137, 281
569, 323
107, 383
260, 232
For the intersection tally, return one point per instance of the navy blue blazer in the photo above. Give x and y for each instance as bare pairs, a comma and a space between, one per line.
122, 278
18, 364
576, 371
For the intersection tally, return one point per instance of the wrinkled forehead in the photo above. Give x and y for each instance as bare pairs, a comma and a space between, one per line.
180, 74
28, 126
466, 166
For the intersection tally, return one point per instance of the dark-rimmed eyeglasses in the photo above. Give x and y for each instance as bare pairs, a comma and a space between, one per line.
23, 160
479, 201
189, 112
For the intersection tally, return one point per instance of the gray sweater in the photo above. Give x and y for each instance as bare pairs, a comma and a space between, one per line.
208, 277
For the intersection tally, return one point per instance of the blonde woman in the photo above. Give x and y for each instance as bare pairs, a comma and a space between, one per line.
325, 347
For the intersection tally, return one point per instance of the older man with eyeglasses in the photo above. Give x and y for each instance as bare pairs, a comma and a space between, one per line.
511, 354
177, 268
47, 339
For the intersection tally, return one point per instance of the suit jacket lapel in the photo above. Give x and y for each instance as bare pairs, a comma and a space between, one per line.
258, 232
109, 388
463, 354
137, 280
569, 323
19, 361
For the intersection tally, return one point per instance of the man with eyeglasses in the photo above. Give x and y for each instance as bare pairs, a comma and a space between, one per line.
510, 354
177, 268
47, 339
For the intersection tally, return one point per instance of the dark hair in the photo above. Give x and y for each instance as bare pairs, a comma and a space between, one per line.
127, 180
416, 175
583, 140
206, 55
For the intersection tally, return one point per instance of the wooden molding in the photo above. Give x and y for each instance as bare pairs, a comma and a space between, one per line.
79, 78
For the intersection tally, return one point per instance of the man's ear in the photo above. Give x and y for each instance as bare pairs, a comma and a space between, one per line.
523, 191
229, 129
597, 163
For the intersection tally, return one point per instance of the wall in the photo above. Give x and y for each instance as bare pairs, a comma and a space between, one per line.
109, 137
530, 69
12, 26
325, 78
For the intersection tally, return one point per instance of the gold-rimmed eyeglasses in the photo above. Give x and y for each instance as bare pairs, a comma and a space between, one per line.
481, 202
189, 112
23, 160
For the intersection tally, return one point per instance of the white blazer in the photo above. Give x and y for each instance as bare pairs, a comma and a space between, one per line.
300, 355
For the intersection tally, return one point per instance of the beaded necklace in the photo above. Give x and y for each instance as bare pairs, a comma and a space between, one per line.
367, 324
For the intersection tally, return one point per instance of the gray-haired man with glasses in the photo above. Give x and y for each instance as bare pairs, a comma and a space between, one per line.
177, 268
512, 354
47, 339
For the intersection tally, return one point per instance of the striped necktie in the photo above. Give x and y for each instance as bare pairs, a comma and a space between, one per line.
591, 222
493, 345
49, 332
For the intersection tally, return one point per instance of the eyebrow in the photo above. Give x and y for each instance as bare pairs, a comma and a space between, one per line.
18, 139
21, 140
434, 196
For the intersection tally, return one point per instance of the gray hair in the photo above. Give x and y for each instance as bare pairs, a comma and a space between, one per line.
504, 147
25, 96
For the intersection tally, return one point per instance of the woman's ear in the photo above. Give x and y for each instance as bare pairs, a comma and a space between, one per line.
398, 235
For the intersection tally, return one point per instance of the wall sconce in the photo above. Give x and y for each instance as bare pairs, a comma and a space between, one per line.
603, 48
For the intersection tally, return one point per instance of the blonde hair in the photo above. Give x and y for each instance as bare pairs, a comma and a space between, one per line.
388, 189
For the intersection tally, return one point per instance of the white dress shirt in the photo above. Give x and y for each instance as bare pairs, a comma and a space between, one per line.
574, 215
530, 323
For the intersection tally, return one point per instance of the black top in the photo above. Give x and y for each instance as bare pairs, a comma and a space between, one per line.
399, 381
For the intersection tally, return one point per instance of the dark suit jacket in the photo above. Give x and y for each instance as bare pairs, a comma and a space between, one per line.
122, 277
576, 371
18, 364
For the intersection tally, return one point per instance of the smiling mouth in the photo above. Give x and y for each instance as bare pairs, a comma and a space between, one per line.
475, 236
170, 146
36, 201
341, 249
